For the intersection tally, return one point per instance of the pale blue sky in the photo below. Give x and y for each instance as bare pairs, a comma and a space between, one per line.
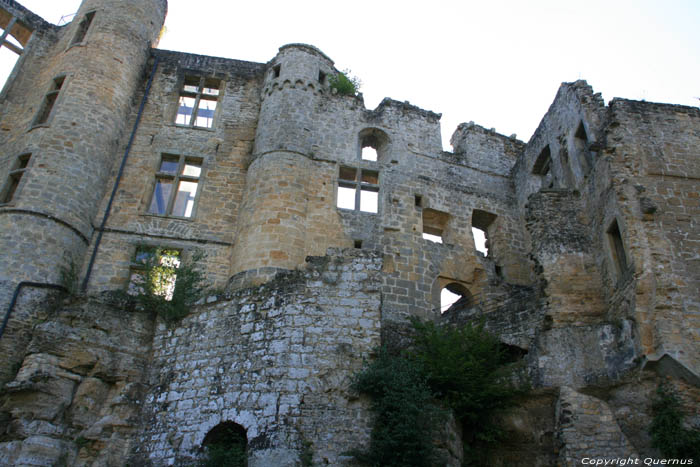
497, 63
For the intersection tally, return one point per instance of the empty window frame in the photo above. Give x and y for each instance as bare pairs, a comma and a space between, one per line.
199, 98
83, 28
154, 270
374, 143
455, 294
9, 190
14, 35
176, 186
276, 71
543, 162
481, 223
583, 147
358, 189
47, 105
617, 248
434, 224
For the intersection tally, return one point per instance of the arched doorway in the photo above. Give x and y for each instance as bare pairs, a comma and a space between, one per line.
226, 445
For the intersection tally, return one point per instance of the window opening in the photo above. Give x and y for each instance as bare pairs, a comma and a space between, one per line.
454, 294
226, 444
418, 201
374, 144
543, 162
176, 186
20, 166
154, 270
582, 146
83, 28
276, 71
49, 101
358, 189
617, 248
199, 97
321, 77
358, 243
434, 224
481, 222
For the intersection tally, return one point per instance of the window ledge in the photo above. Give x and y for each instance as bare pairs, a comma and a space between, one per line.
77, 44
41, 125
164, 216
356, 211
188, 127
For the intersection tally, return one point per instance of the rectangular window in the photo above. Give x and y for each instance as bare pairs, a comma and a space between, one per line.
154, 270
434, 224
83, 28
358, 189
42, 117
176, 186
199, 97
12, 183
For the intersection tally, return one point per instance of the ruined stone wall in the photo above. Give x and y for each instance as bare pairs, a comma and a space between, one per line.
654, 173
275, 359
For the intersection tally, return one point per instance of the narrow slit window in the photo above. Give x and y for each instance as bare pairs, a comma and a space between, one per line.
199, 98
358, 189
321, 77
276, 71
83, 28
176, 186
49, 101
9, 191
617, 248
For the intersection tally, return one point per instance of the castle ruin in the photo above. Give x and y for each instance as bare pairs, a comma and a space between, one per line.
326, 225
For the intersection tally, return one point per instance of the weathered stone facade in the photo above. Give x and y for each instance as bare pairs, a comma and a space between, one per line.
591, 276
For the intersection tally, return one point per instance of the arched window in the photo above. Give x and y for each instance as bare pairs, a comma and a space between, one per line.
454, 294
374, 144
226, 444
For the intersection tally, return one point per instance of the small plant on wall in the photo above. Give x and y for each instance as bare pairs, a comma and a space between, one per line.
668, 434
345, 84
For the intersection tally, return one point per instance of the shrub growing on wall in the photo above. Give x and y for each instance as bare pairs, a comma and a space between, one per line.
344, 83
459, 369
667, 432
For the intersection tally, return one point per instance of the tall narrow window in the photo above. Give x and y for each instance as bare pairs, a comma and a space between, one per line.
542, 167
582, 147
481, 224
42, 117
617, 248
83, 28
358, 189
199, 97
176, 186
10, 189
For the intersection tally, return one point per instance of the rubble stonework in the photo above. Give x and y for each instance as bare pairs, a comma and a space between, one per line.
591, 276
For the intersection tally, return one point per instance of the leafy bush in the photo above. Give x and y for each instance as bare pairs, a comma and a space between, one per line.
406, 414
667, 432
169, 285
344, 83
461, 369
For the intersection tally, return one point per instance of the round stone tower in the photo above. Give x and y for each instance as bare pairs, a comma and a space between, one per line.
80, 87
272, 232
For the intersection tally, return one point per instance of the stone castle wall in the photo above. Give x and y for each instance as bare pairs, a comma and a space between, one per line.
304, 290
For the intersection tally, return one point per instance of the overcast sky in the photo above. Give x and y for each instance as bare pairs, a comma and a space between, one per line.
497, 63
